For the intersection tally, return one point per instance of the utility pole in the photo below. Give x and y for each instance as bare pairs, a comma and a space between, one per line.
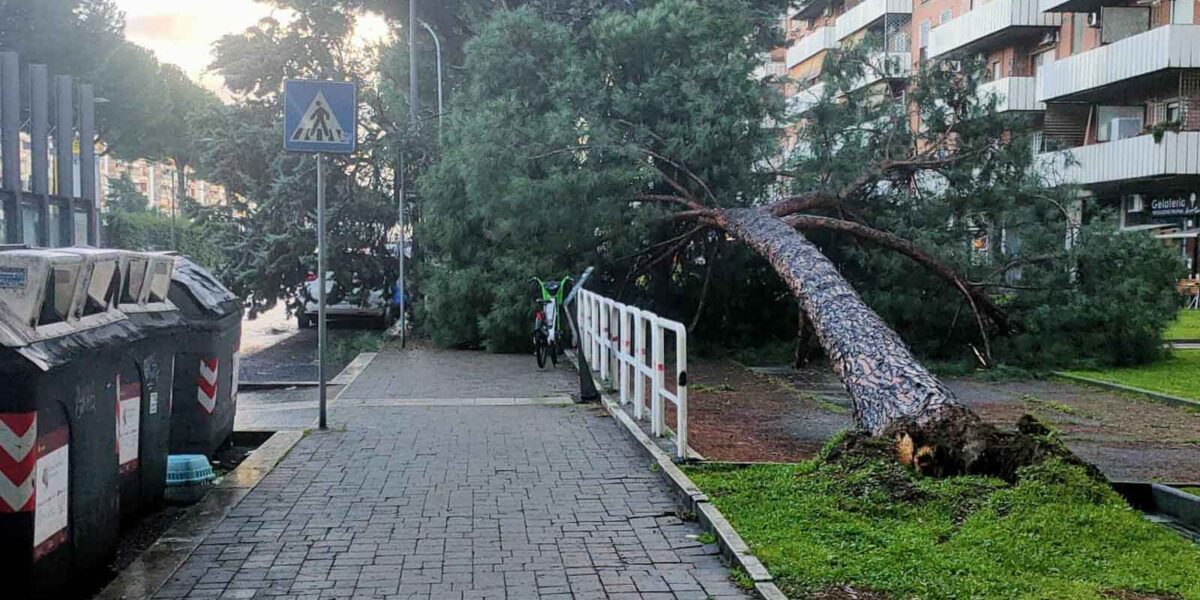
413, 103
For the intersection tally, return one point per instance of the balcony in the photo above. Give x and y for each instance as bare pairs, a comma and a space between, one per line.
809, 46
1167, 47
867, 13
1013, 94
1123, 160
989, 24
803, 100
884, 66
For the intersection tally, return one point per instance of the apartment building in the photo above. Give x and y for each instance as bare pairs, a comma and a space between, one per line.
157, 180
1113, 85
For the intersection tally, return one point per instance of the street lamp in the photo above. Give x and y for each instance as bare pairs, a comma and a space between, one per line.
438, 46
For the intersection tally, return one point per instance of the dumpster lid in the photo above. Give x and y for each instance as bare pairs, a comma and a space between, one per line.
54, 303
147, 283
208, 292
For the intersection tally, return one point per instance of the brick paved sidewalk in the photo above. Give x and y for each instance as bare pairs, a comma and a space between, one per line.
518, 502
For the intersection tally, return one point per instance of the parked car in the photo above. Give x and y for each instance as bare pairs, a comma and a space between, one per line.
358, 302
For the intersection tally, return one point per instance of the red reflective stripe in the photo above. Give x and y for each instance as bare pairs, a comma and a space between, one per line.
209, 388
17, 461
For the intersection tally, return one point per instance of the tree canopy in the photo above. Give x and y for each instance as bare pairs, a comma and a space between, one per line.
566, 143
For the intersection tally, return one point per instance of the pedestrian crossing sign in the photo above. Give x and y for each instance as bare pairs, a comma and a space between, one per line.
320, 116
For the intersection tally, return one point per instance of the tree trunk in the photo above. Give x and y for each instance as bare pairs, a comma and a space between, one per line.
893, 394
881, 374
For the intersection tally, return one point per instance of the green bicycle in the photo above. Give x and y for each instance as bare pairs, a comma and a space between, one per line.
546, 339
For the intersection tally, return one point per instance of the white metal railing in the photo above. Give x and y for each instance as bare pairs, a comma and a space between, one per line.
867, 13
1012, 93
613, 338
818, 40
1138, 157
1167, 47
988, 20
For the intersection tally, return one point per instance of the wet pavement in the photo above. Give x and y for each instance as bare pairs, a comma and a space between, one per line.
456, 475
275, 349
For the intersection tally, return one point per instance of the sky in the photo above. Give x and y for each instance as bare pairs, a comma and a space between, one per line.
182, 32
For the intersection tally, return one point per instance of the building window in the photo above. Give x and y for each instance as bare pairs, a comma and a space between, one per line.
946, 16
923, 40
1173, 112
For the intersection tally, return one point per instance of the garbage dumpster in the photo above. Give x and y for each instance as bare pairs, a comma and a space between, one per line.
144, 373
60, 341
206, 360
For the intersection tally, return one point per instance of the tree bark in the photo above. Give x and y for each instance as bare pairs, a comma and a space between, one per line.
885, 381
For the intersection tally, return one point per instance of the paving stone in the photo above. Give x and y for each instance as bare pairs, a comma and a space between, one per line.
461, 501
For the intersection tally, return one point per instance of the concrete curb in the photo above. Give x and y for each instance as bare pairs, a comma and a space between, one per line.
694, 501
274, 385
1156, 396
352, 370
158, 564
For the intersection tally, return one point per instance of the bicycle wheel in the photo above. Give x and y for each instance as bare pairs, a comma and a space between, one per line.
554, 350
541, 355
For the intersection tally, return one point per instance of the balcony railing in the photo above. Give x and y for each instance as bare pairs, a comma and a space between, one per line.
1167, 47
807, 47
867, 13
989, 22
1013, 93
883, 66
1140, 157
803, 100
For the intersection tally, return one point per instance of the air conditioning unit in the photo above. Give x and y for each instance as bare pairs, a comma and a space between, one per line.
1136, 204
1094, 19
1124, 128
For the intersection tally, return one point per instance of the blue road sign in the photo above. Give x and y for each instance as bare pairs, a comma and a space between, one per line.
320, 116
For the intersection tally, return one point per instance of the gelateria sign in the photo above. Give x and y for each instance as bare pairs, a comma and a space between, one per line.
1175, 206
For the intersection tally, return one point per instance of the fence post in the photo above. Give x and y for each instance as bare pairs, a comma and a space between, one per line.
626, 345
584, 326
657, 411
681, 393
594, 308
639, 372
615, 309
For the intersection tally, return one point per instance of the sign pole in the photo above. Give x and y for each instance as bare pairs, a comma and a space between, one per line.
321, 284
320, 117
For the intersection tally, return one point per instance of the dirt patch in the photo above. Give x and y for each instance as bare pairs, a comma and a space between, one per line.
737, 415
1131, 595
783, 415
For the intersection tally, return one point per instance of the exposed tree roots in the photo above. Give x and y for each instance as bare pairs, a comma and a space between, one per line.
957, 442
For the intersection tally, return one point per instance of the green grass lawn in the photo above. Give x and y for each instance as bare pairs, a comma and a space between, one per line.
875, 527
1195, 491
1178, 375
1185, 327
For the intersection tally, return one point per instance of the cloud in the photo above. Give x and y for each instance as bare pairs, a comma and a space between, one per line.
177, 28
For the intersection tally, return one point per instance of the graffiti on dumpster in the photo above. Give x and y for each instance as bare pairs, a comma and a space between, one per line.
85, 400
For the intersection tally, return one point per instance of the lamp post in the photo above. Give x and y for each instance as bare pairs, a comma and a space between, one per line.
437, 43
